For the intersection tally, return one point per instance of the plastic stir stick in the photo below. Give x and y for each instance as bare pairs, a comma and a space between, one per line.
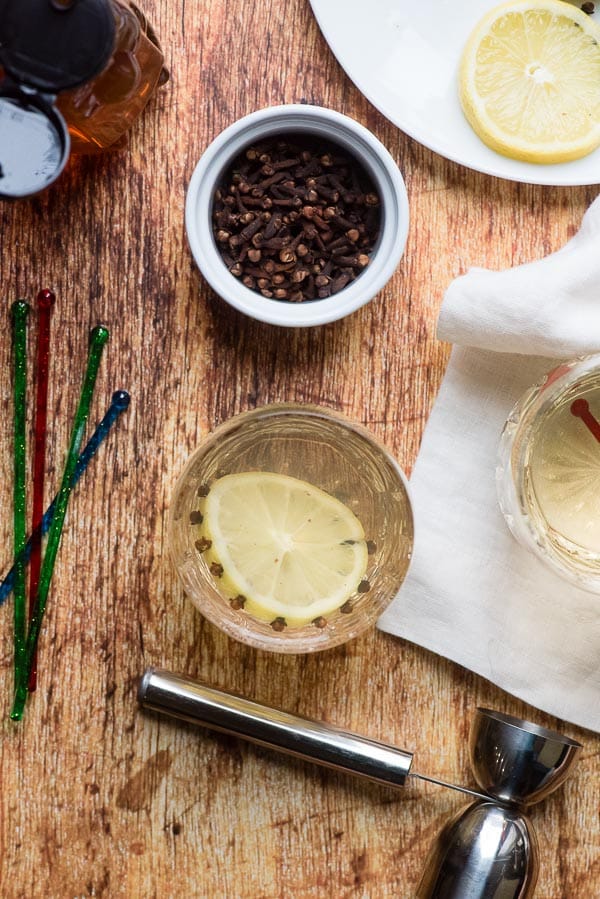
119, 403
45, 302
98, 338
581, 409
19, 313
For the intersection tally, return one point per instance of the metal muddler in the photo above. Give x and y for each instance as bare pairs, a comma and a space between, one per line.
487, 851
313, 741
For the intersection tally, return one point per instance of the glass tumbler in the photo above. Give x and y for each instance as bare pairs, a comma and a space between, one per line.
328, 451
548, 477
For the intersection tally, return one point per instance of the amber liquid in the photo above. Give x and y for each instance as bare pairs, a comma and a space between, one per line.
100, 112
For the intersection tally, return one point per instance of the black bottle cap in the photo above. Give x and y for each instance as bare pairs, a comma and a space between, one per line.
34, 142
54, 45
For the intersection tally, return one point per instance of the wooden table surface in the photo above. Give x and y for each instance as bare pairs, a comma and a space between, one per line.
97, 798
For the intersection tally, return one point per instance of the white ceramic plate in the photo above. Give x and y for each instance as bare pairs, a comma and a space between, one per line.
404, 57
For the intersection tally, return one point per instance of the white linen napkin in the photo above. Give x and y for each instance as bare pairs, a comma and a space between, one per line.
473, 594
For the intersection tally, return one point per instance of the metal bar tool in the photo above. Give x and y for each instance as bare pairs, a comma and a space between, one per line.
487, 851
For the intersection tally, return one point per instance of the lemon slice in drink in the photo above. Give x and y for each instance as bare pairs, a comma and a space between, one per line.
286, 550
530, 81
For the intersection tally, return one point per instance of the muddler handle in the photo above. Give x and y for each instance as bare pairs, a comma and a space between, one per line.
324, 744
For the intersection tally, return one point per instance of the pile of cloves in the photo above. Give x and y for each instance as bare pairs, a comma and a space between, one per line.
296, 218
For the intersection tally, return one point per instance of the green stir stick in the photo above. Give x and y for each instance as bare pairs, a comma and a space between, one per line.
19, 312
98, 338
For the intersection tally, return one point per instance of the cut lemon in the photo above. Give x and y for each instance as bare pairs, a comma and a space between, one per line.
284, 550
530, 81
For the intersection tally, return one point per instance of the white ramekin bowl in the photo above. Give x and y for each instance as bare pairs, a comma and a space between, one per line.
335, 128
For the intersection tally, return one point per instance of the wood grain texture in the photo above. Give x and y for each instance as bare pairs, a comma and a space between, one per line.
96, 798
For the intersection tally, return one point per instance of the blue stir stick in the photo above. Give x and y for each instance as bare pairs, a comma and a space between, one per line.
119, 403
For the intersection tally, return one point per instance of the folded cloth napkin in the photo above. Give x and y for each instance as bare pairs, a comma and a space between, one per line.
473, 594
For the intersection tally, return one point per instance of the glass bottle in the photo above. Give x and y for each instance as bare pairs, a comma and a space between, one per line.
101, 111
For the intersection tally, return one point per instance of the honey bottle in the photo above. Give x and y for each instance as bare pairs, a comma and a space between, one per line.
74, 76
101, 111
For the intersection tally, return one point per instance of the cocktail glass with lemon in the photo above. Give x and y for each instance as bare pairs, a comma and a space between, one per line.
291, 528
549, 476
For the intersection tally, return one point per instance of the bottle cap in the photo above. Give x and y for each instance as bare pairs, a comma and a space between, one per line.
34, 142
46, 46
53, 47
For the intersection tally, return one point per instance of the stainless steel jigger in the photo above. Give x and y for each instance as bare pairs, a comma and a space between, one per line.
487, 851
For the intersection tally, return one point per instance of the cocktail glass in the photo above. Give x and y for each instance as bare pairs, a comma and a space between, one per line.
548, 476
330, 452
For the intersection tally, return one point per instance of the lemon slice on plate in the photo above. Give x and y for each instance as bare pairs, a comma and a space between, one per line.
284, 550
529, 81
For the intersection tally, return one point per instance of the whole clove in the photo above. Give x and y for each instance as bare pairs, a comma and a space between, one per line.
296, 219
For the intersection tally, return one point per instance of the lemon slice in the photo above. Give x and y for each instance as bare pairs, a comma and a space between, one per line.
286, 551
530, 81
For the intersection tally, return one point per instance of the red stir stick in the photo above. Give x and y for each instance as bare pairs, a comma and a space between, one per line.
581, 409
45, 302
